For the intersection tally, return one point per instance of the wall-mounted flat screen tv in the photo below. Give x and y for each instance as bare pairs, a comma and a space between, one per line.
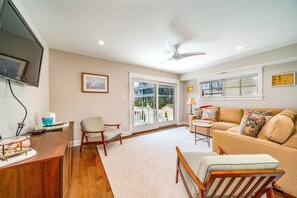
20, 50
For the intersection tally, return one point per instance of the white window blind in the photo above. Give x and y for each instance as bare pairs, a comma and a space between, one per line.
242, 86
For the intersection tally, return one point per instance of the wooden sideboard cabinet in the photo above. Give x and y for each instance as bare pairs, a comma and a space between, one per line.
48, 174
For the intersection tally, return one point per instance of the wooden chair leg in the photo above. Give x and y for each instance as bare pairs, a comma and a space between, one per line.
269, 193
177, 164
121, 138
82, 141
104, 144
104, 147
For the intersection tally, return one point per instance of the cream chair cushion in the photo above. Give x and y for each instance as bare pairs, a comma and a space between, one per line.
97, 124
193, 159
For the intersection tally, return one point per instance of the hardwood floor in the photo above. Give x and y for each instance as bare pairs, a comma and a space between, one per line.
89, 178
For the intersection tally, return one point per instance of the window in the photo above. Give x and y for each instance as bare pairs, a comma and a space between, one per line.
212, 88
243, 86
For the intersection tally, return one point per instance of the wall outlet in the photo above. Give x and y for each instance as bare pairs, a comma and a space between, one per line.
125, 123
124, 96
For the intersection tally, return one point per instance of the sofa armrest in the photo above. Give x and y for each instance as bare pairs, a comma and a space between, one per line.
234, 143
190, 119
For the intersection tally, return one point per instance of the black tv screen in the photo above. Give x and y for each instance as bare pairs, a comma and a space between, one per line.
20, 50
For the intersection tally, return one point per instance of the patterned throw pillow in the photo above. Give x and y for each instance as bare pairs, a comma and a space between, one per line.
265, 113
209, 114
251, 124
198, 113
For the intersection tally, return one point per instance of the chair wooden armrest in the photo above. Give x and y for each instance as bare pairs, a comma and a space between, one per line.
222, 151
117, 125
180, 158
85, 131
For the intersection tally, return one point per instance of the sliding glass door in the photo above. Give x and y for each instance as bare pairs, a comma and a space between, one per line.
153, 105
166, 107
144, 103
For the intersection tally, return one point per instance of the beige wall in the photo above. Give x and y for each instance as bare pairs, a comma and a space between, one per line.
274, 97
35, 99
68, 101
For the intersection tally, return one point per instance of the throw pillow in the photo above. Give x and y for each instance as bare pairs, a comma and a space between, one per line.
265, 113
198, 113
278, 129
209, 114
251, 124
290, 113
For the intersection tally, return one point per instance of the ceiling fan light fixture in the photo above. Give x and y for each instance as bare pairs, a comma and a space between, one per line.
239, 47
101, 42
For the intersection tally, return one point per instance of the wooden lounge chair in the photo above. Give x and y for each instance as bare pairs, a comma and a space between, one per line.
96, 132
212, 175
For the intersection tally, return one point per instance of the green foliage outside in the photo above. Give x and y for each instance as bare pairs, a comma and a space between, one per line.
151, 102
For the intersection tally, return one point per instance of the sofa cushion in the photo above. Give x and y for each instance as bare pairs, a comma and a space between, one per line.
278, 129
230, 115
222, 125
292, 141
251, 124
209, 114
235, 162
205, 121
234, 129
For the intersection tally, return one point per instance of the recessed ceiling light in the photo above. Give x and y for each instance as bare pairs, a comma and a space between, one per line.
239, 47
101, 42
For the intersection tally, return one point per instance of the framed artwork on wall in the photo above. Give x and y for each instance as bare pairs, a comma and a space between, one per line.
190, 89
283, 79
12, 67
95, 83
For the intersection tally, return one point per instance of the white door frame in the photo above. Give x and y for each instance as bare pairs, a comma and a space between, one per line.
157, 80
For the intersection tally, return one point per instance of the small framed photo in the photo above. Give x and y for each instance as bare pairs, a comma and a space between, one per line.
12, 67
95, 83
190, 89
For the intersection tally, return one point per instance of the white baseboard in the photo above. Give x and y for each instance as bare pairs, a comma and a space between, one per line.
76, 143
181, 123
124, 133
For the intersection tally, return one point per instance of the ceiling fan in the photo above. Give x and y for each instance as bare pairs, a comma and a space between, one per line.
177, 55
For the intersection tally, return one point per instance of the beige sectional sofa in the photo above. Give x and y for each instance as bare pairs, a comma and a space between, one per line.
226, 118
225, 134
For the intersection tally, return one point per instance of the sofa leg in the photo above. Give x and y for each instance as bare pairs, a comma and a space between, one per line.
104, 147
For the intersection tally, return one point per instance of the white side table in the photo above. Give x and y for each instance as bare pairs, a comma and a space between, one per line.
203, 125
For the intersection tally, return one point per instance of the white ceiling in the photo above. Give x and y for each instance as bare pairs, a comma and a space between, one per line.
134, 31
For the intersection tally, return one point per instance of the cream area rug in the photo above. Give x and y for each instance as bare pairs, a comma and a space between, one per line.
145, 166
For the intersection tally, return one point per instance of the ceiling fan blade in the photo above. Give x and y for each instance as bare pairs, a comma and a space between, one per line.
169, 59
169, 47
184, 55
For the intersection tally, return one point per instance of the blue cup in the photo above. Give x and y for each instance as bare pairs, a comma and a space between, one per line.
47, 121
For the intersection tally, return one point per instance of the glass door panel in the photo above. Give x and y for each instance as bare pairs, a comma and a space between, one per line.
166, 106
144, 103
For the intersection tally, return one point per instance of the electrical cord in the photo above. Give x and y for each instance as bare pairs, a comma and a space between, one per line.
20, 125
